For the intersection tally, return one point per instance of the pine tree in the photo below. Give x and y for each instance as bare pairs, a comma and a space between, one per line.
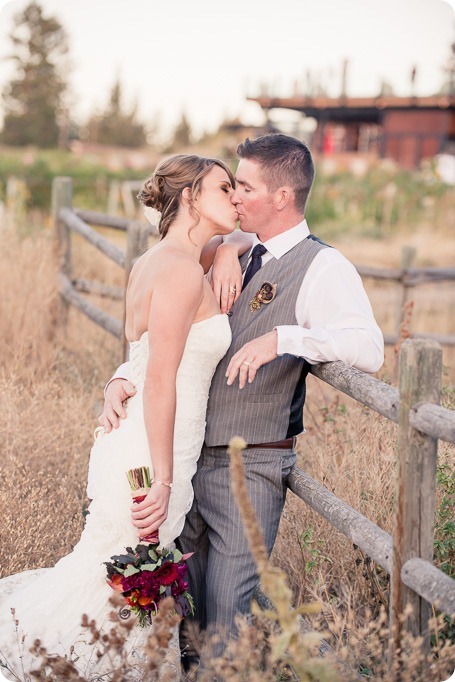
182, 133
116, 126
33, 98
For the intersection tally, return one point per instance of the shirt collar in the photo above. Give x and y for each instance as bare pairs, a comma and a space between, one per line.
284, 242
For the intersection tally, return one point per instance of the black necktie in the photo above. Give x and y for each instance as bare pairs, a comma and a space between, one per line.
255, 263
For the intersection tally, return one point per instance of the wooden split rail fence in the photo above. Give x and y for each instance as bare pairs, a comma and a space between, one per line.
407, 555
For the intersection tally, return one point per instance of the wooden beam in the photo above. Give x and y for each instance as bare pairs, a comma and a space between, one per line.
420, 379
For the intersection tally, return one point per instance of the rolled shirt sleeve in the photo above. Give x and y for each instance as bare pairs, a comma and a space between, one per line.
122, 372
335, 318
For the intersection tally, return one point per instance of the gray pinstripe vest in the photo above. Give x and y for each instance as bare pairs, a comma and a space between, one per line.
270, 408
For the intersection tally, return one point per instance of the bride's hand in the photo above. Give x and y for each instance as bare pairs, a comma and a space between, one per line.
149, 514
226, 276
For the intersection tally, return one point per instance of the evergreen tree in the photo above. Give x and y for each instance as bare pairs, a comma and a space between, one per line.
116, 126
33, 99
182, 133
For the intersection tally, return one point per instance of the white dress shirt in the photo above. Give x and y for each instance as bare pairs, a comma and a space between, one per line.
334, 315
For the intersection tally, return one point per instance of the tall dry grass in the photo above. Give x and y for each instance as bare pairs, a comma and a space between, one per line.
51, 379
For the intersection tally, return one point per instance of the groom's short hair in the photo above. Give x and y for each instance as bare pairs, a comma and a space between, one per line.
284, 160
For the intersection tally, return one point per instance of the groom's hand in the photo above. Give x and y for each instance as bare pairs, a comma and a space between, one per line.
116, 392
246, 362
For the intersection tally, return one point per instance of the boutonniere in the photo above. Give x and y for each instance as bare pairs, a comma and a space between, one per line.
266, 294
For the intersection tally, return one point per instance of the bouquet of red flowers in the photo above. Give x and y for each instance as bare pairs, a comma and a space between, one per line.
146, 575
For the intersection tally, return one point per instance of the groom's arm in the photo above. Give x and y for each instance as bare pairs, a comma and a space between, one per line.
118, 389
335, 322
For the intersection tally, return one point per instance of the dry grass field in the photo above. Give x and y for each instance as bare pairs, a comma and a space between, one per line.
51, 380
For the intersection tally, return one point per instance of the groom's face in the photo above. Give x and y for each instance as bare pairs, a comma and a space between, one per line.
252, 198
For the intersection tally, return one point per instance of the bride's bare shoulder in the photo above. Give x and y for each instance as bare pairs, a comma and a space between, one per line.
165, 263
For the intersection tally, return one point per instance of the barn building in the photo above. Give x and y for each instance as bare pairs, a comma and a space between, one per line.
406, 129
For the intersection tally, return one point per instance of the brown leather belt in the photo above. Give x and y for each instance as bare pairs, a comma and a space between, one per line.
286, 444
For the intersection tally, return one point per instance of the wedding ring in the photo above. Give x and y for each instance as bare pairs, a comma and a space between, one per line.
232, 290
246, 363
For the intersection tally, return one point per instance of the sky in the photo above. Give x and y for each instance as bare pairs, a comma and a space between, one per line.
205, 57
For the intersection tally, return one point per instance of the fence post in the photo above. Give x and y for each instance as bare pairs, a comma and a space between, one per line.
129, 206
62, 197
136, 244
112, 200
420, 381
408, 254
15, 203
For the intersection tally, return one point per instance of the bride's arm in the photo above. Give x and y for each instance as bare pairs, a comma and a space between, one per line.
235, 243
175, 301
226, 273
221, 252
220, 260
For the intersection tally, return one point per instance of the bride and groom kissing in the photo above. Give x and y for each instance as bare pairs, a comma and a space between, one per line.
210, 358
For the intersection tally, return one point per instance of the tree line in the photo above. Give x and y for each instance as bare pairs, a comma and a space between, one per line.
35, 100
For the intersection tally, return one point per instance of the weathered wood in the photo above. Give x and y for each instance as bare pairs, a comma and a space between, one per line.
362, 387
420, 575
420, 378
129, 206
104, 320
443, 339
15, 207
408, 254
379, 273
434, 420
418, 276
360, 530
62, 198
76, 224
430, 583
413, 276
102, 219
99, 288
113, 198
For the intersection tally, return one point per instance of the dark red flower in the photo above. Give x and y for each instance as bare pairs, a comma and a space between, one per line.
144, 582
167, 573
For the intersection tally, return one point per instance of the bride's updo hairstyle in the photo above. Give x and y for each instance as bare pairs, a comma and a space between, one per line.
163, 189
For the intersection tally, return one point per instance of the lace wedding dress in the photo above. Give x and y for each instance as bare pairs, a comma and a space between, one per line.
49, 603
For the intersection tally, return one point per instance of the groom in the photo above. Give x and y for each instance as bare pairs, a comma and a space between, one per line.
318, 312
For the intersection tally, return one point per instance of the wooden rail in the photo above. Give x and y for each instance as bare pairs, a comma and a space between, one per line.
415, 582
407, 554
68, 220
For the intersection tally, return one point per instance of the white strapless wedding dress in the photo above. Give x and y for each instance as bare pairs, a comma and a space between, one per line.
49, 606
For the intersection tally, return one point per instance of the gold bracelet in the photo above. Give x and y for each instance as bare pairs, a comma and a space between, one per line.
158, 482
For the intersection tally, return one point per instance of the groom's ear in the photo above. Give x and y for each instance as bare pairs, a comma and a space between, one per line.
283, 197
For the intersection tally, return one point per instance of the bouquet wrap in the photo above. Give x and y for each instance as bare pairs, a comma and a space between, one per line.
140, 482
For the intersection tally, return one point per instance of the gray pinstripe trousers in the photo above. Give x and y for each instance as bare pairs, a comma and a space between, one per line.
222, 572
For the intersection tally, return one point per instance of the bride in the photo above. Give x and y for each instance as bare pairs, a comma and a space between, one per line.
177, 336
